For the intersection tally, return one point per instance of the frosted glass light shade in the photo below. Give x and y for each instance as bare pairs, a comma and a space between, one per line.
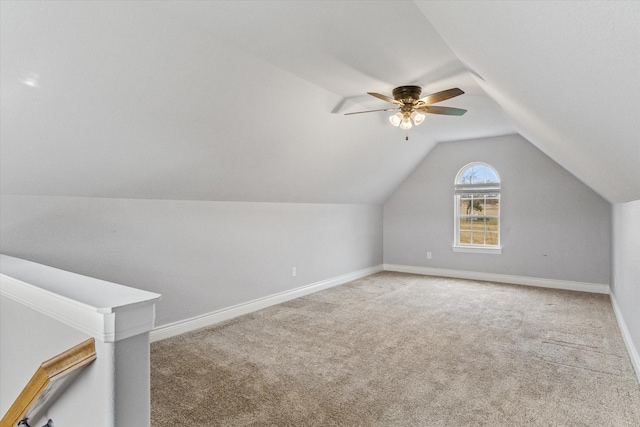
406, 123
418, 118
396, 119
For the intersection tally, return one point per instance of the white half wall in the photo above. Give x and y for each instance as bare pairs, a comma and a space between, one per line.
625, 275
201, 256
552, 225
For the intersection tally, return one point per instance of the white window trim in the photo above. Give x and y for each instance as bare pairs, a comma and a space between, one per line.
492, 250
479, 249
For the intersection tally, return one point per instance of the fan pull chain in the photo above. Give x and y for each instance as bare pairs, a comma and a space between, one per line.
406, 136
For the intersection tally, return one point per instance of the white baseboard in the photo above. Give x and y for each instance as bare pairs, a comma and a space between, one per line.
208, 319
501, 278
633, 352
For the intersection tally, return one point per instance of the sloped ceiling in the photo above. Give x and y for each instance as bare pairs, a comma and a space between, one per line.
245, 100
221, 100
566, 73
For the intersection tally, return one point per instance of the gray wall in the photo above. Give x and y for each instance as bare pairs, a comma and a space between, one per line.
553, 226
201, 256
625, 260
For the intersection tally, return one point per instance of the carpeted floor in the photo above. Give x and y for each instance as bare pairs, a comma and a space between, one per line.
396, 349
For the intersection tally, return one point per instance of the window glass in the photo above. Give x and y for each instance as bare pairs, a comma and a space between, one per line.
478, 174
477, 202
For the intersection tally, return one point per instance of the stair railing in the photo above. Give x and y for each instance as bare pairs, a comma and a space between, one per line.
47, 379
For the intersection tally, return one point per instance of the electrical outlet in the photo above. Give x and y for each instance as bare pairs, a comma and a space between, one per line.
428, 255
293, 272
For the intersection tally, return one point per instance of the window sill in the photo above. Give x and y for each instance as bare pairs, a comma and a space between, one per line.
497, 250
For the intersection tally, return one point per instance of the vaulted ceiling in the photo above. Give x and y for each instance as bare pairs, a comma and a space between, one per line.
217, 100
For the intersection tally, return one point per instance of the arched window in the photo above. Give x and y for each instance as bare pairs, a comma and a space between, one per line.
477, 209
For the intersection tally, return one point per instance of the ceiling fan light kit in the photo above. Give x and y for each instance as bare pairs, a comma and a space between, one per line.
406, 123
418, 118
396, 119
412, 108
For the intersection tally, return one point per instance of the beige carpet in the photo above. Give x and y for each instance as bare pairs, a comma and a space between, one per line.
397, 349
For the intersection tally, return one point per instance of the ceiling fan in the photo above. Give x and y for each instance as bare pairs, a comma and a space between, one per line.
411, 107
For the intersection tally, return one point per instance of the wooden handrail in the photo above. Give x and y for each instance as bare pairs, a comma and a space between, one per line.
43, 381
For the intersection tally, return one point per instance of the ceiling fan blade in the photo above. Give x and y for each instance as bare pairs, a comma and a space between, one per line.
440, 96
385, 98
369, 111
447, 111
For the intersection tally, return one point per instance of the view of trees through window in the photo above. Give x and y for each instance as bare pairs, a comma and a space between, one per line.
479, 221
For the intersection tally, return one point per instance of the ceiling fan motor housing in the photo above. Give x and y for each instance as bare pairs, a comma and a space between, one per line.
407, 93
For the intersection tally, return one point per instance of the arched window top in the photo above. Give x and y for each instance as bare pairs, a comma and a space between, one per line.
477, 173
